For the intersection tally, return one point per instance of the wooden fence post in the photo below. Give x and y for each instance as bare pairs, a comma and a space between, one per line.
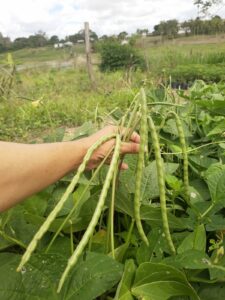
88, 54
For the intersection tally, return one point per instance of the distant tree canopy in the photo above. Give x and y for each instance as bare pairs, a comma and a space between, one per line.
205, 5
122, 35
168, 28
198, 26
80, 35
39, 39
142, 31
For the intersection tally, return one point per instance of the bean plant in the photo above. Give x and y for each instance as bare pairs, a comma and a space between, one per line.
154, 231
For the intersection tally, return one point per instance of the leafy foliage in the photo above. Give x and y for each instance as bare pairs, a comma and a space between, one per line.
115, 56
197, 269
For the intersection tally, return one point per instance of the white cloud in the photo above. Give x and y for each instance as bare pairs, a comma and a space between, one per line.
25, 17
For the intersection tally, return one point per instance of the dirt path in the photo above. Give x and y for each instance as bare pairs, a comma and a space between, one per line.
79, 60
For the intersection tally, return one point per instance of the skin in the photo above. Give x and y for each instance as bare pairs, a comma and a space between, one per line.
27, 169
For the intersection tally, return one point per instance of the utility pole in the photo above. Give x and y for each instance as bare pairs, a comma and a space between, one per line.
88, 54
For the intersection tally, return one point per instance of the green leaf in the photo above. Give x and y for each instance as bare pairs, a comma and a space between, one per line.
215, 178
153, 251
124, 288
194, 240
215, 106
92, 277
153, 216
202, 161
37, 280
212, 291
160, 282
219, 129
149, 184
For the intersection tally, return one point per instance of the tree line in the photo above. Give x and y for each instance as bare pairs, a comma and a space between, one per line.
166, 29
172, 28
40, 39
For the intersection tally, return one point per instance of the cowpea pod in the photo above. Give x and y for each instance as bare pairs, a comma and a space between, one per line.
161, 183
140, 166
184, 154
89, 231
45, 226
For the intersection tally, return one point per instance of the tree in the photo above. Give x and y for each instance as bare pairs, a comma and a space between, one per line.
20, 43
80, 36
204, 6
53, 40
5, 43
122, 35
212, 26
168, 28
142, 31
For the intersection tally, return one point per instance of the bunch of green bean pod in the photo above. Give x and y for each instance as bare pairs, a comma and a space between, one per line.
185, 156
88, 233
161, 182
140, 166
45, 226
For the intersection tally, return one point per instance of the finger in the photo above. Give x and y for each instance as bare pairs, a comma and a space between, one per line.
124, 166
135, 137
129, 148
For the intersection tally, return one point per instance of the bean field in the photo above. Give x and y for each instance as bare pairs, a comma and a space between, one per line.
152, 232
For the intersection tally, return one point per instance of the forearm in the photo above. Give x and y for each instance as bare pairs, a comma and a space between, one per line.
27, 169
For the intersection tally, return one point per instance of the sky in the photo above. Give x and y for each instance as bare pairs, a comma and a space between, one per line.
25, 17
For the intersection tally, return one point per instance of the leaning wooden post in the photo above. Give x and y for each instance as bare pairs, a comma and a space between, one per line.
88, 54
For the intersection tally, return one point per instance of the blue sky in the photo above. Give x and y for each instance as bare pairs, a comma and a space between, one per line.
25, 17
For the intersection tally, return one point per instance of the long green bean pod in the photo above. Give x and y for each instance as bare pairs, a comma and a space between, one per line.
185, 156
44, 227
140, 166
76, 205
88, 233
161, 182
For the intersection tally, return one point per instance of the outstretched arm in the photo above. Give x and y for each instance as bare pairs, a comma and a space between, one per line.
26, 169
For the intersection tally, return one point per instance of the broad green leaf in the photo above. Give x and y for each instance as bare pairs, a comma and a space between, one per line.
215, 178
201, 188
202, 161
195, 240
56, 196
171, 127
149, 185
18, 228
128, 177
215, 223
215, 107
36, 281
160, 282
92, 277
39, 278
219, 129
124, 288
153, 251
153, 216
212, 291
37, 204
193, 260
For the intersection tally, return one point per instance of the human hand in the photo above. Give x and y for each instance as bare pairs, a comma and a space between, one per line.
130, 147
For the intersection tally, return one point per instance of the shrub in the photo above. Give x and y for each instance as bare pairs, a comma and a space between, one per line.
115, 56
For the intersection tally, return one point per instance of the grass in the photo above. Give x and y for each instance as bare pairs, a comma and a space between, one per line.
66, 99
37, 55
